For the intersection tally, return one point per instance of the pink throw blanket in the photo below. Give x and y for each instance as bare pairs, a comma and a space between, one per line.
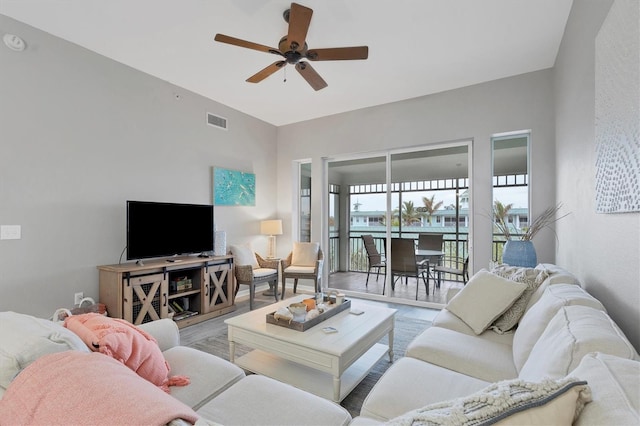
126, 343
86, 388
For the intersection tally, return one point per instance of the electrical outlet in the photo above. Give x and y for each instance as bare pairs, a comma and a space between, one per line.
77, 298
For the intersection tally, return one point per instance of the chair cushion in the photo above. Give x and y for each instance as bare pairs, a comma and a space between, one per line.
263, 272
615, 388
305, 254
535, 319
300, 269
572, 333
485, 297
244, 255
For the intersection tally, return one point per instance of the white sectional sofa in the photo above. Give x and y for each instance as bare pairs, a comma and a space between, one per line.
564, 331
219, 391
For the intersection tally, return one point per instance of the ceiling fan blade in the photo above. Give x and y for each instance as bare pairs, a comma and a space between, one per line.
338, 53
299, 20
266, 72
243, 43
313, 78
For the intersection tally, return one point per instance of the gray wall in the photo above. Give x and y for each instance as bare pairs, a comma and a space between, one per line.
471, 113
602, 249
81, 134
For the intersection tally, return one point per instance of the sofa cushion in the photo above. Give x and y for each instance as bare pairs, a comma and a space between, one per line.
615, 388
26, 338
485, 297
532, 278
209, 374
535, 319
244, 255
305, 254
572, 333
513, 402
410, 383
446, 319
259, 400
470, 355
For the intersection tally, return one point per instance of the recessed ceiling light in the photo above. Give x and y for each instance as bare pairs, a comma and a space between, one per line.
14, 42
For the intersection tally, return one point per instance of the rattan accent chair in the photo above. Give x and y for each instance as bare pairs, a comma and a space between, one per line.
248, 274
309, 267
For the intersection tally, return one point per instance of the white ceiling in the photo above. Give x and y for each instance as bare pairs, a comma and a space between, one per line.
416, 47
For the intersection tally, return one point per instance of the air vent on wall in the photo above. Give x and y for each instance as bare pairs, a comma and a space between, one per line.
216, 121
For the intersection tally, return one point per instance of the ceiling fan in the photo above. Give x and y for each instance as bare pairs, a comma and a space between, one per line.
293, 49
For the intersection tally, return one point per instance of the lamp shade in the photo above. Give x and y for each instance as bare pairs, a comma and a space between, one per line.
271, 227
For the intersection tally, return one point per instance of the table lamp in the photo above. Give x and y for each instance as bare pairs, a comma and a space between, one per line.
271, 228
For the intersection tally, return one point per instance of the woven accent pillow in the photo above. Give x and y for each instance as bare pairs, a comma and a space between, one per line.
532, 278
485, 297
550, 402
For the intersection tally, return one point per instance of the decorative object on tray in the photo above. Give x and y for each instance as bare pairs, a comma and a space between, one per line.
285, 318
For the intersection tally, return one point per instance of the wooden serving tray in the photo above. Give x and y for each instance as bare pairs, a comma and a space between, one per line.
305, 325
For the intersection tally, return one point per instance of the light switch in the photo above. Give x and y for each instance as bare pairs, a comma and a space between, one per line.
10, 232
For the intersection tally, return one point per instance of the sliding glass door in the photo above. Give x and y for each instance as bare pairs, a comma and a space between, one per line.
398, 194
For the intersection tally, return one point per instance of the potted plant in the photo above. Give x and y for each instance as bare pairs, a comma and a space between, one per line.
519, 249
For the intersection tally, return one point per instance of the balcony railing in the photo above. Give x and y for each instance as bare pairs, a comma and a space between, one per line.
358, 261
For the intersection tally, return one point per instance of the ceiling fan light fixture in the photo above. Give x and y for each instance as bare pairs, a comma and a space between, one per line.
293, 48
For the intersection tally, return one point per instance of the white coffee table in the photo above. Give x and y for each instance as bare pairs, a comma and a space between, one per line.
327, 365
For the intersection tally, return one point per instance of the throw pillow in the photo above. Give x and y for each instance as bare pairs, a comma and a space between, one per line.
126, 343
244, 255
508, 402
305, 254
532, 278
485, 297
26, 338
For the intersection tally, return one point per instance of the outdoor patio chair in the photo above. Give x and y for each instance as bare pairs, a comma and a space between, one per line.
374, 258
461, 268
405, 264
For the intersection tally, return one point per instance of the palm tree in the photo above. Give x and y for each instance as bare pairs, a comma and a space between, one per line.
500, 214
430, 207
409, 213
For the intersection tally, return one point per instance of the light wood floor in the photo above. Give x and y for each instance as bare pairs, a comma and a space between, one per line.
356, 282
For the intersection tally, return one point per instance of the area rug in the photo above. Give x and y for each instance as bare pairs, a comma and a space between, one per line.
406, 328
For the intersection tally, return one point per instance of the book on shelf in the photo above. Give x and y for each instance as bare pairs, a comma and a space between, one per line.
184, 314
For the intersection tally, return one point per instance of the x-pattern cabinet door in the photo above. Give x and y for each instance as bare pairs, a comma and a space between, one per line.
145, 298
219, 285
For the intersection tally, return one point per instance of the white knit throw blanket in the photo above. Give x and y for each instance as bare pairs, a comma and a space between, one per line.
494, 403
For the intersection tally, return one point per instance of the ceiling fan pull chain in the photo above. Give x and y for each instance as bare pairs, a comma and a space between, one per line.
285, 75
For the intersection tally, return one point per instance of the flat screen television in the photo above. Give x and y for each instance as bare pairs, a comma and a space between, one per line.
166, 229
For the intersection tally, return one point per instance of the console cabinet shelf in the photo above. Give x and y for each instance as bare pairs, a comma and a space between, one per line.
190, 288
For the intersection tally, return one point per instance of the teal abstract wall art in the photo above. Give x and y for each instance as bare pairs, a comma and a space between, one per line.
233, 188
